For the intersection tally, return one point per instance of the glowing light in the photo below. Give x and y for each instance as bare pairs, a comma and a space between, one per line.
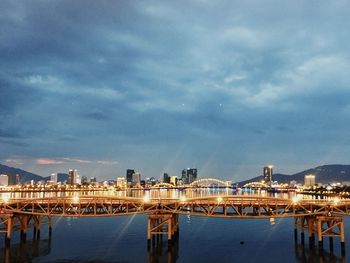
296, 199
75, 199
146, 199
183, 199
220, 199
5, 198
336, 200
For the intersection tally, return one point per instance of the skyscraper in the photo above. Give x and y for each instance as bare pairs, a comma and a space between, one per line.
267, 172
189, 175
166, 178
72, 176
129, 173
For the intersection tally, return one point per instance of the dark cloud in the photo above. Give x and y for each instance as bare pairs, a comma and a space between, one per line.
164, 85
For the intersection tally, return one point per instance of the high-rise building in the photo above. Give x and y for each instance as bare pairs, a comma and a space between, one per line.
53, 178
18, 179
129, 173
173, 180
267, 172
309, 180
84, 180
136, 179
4, 180
166, 178
121, 182
72, 176
189, 175
92, 179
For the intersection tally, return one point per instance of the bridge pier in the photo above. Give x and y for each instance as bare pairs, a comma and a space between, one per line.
331, 226
162, 224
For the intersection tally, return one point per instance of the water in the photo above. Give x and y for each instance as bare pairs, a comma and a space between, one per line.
201, 239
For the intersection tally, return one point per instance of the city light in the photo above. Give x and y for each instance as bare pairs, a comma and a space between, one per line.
6, 198
220, 199
336, 200
296, 199
183, 199
75, 199
146, 198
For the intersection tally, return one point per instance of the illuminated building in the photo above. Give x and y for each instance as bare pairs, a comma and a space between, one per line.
84, 180
166, 178
267, 173
121, 182
53, 178
93, 179
173, 180
189, 175
129, 173
4, 180
18, 179
72, 176
136, 179
309, 180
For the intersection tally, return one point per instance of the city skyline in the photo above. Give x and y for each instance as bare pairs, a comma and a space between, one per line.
227, 87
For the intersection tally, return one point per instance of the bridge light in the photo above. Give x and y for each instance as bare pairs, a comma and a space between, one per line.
75, 199
220, 199
183, 199
146, 199
336, 200
5, 198
296, 199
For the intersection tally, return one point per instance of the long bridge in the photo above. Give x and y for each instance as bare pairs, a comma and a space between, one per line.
318, 217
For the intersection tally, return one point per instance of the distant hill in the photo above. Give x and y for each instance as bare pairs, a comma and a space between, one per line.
324, 174
24, 175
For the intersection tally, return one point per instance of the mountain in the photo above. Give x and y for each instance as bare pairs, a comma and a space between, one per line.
324, 174
24, 175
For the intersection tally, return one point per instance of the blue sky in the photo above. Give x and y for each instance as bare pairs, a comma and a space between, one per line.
224, 86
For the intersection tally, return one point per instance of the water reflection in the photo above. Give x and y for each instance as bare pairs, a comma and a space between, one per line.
26, 251
310, 255
163, 251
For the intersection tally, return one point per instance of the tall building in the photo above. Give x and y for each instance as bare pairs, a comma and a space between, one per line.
189, 175
4, 180
18, 179
53, 178
309, 180
84, 180
136, 179
166, 178
92, 179
173, 180
121, 182
267, 172
129, 173
72, 176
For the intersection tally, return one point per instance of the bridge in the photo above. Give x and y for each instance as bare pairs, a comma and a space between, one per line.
321, 217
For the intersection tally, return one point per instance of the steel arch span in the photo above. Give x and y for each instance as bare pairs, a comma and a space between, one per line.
165, 185
209, 181
256, 184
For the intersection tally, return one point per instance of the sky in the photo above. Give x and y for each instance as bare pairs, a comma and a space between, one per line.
159, 86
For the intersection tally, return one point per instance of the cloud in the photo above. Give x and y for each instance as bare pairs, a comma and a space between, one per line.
131, 81
47, 161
